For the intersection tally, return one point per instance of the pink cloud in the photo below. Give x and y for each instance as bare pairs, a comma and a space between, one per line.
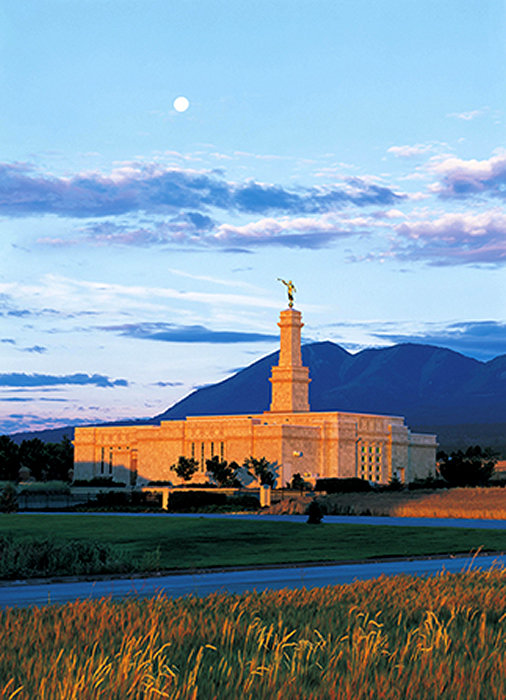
461, 178
453, 239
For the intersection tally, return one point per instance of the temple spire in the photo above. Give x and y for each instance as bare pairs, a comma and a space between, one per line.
290, 379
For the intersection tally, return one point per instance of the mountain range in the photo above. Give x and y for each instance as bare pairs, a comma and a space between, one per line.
423, 383
435, 389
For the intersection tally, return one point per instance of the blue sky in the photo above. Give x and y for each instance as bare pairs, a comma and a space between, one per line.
357, 147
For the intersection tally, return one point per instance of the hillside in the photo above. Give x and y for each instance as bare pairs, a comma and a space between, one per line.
426, 384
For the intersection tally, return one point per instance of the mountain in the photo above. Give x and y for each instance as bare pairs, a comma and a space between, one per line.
437, 390
423, 383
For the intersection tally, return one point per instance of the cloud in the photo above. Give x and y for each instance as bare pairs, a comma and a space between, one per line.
469, 116
16, 423
483, 340
39, 349
453, 239
19, 399
165, 384
418, 149
464, 178
18, 379
171, 333
151, 188
289, 232
19, 313
302, 232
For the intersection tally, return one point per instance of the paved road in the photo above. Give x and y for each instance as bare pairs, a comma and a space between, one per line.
25, 594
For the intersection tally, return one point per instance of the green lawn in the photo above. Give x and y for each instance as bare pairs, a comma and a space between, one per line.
186, 543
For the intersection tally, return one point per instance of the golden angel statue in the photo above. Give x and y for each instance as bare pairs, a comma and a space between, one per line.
290, 289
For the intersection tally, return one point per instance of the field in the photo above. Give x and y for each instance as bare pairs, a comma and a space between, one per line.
403, 638
444, 503
45, 545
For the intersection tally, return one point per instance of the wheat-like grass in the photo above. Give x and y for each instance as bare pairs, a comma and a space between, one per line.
395, 638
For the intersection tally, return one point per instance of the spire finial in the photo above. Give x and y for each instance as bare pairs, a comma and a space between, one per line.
290, 290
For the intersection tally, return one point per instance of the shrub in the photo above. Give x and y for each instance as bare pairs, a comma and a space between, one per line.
190, 501
430, 482
298, 483
395, 484
314, 513
31, 557
243, 501
8, 499
332, 485
99, 481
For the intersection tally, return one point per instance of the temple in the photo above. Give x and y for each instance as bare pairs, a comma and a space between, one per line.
312, 444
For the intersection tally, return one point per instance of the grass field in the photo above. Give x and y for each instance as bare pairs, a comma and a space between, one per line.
402, 638
442, 503
148, 543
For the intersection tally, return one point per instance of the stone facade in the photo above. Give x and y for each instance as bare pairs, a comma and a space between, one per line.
313, 444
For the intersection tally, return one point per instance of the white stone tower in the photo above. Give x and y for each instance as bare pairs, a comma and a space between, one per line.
290, 379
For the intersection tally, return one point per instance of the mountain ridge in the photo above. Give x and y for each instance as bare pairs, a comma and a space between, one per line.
426, 384
423, 383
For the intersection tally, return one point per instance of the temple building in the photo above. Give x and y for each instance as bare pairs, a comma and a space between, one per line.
312, 444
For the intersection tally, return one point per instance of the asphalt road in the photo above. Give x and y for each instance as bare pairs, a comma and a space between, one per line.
23, 594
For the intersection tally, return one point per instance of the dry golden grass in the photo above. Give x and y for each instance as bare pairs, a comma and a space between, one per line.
444, 503
402, 638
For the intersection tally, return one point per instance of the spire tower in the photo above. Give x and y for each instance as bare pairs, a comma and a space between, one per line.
290, 379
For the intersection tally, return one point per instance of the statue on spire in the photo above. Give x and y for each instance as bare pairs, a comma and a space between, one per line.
290, 289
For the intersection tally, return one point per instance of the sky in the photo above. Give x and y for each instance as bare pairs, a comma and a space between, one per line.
356, 147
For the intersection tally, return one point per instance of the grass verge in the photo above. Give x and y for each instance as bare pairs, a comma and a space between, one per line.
156, 544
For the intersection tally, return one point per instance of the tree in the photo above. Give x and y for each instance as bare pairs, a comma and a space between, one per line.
298, 483
185, 467
474, 467
45, 460
60, 459
223, 474
9, 459
263, 471
33, 455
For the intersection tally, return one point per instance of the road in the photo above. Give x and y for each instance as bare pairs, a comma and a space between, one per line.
25, 594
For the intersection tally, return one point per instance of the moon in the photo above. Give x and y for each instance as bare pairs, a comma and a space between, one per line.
181, 104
